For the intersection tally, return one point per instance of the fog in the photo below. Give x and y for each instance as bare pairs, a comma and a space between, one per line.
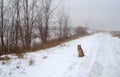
97, 14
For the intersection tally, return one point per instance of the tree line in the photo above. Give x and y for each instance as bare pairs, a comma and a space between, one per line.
23, 20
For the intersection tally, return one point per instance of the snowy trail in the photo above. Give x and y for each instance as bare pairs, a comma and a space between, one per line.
83, 66
107, 62
102, 59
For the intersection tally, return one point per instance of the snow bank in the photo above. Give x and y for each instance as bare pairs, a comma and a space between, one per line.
102, 54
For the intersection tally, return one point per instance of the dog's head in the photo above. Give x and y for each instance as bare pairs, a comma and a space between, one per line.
79, 46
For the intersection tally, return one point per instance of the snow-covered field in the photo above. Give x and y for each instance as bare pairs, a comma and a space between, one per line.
102, 59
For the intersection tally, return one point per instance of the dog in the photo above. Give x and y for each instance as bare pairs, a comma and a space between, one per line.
80, 51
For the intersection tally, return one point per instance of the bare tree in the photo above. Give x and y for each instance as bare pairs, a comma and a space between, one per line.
2, 27
66, 25
17, 24
60, 23
33, 16
19, 20
12, 32
63, 22
26, 25
30, 15
44, 18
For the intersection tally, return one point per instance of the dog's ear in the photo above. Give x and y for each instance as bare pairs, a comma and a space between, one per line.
79, 46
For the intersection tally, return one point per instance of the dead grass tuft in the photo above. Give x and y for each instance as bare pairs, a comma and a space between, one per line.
116, 34
4, 62
5, 58
20, 55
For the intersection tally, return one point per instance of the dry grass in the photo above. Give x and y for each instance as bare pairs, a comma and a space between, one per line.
20, 55
19, 52
49, 44
116, 34
5, 58
4, 62
0, 50
53, 43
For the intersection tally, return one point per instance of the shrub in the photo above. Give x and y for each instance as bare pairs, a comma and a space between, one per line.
81, 31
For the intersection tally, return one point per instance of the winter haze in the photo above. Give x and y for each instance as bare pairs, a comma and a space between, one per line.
98, 14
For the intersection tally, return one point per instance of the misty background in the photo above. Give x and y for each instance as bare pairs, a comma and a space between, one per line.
96, 14
29, 25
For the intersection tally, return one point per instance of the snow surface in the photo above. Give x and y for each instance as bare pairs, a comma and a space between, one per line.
102, 59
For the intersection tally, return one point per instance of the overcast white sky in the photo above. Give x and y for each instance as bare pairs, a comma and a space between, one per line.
101, 14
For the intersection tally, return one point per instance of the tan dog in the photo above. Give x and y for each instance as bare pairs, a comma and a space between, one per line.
80, 51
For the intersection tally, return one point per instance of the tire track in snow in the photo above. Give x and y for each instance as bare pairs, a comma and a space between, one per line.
106, 64
89, 60
82, 66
